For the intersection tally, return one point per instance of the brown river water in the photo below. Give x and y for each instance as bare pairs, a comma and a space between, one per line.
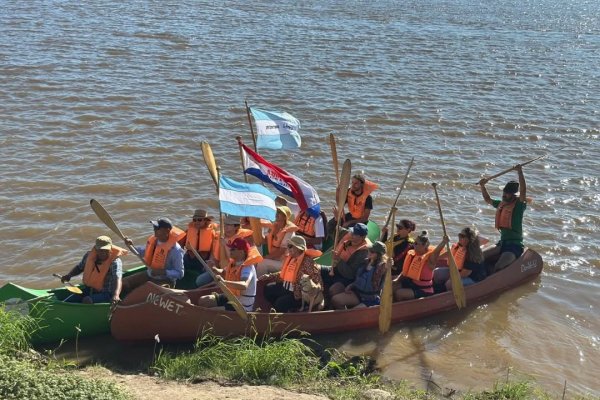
111, 100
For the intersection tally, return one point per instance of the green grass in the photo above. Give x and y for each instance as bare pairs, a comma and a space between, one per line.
25, 374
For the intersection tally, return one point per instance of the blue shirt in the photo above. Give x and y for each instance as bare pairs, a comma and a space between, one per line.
174, 263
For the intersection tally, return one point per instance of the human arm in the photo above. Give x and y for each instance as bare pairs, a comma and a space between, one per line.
78, 269
174, 265
118, 274
522, 184
433, 258
484, 192
243, 284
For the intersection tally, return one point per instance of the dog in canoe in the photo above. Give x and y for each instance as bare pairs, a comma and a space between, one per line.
312, 294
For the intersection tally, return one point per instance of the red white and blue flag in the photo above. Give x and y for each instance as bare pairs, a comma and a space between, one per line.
286, 183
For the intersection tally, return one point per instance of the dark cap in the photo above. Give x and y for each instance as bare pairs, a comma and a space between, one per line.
359, 230
162, 223
511, 187
378, 247
239, 244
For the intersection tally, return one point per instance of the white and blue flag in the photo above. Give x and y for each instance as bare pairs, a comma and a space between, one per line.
276, 130
246, 199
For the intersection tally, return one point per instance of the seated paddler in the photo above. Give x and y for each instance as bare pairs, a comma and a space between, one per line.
162, 255
202, 235
102, 270
286, 294
239, 277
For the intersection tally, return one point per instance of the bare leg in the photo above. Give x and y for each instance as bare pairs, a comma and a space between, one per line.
403, 294
208, 301
344, 300
336, 288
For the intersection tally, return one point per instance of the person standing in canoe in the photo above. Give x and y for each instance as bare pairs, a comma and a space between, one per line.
286, 294
351, 253
402, 242
277, 239
202, 235
239, 276
509, 221
312, 229
102, 272
416, 279
162, 255
359, 201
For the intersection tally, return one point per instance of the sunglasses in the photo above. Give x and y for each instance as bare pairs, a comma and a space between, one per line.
462, 235
200, 219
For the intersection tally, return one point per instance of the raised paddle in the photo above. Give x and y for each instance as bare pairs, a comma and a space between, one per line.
211, 164
235, 302
110, 223
336, 166
512, 168
457, 287
387, 295
68, 285
387, 221
342, 194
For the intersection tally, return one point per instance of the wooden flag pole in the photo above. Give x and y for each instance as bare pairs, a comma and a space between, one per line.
250, 123
254, 222
336, 166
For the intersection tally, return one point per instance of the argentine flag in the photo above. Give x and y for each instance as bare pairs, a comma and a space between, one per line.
276, 130
246, 199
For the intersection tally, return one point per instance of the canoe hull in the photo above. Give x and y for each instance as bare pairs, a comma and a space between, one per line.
150, 310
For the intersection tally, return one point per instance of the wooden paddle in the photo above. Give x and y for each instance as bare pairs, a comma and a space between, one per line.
68, 285
336, 166
387, 221
457, 286
512, 168
211, 164
235, 302
387, 294
342, 194
110, 223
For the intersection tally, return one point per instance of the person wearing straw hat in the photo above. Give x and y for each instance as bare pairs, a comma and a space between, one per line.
102, 270
286, 294
366, 289
277, 239
202, 235
509, 221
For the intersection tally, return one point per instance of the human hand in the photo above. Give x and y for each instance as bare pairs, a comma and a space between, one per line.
445, 239
348, 288
483, 181
518, 167
128, 241
65, 278
115, 299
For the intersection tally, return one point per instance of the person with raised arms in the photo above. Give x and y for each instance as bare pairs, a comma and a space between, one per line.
416, 279
102, 270
162, 255
509, 221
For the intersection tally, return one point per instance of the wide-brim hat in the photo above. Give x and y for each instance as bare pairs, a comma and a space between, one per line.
232, 220
200, 213
298, 242
103, 243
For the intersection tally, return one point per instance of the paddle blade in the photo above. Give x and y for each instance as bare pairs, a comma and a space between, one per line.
343, 186
211, 164
385, 308
256, 231
457, 287
106, 218
336, 166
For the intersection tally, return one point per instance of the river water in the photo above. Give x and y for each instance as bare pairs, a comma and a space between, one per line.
110, 100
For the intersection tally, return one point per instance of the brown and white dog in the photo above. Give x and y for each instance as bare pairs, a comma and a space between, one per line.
312, 294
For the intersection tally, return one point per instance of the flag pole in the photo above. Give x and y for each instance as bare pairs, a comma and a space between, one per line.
239, 140
255, 223
250, 123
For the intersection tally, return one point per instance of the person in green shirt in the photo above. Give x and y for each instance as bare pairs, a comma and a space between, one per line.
509, 221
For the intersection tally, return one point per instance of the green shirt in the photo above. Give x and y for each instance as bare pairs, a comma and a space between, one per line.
514, 235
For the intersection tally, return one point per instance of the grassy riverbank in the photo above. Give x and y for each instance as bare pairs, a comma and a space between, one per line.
289, 364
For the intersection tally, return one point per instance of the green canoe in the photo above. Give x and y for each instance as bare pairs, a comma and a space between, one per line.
58, 320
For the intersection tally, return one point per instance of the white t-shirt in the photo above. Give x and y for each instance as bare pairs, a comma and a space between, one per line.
247, 296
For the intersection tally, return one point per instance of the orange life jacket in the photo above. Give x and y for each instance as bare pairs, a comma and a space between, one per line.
356, 204
504, 214
201, 239
234, 273
155, 256
460, 254
345, 249
415, 267
290, 268
305, 224
274, 240
94, 275
241, 233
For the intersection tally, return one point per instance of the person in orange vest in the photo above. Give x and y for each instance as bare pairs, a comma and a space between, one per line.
416, 279
239, 276
162, 255
277, 239
286, 294
313, 230
509, 221
102, 272
202, 235
351, 253
360, 204
469, 261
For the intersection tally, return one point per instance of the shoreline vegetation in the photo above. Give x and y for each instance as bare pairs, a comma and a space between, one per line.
219, 368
